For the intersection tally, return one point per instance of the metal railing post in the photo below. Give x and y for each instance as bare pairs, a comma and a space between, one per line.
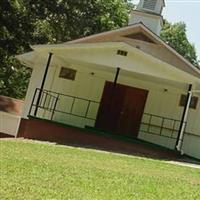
54, 108
29, 113
43, 82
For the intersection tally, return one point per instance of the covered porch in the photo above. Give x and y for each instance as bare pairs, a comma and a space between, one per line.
98, 76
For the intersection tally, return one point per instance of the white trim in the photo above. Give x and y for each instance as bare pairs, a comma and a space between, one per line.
107, 32
140, 25
52, 47
112, 45
41, 49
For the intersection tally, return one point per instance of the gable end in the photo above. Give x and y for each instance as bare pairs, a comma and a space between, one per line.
140, 36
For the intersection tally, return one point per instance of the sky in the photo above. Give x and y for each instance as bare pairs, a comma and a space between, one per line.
187, 11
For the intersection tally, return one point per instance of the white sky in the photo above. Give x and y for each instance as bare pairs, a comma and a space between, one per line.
187, 11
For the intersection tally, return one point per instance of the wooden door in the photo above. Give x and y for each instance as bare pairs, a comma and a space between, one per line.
121, 109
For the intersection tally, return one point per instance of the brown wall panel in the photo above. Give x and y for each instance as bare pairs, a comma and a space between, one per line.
47, 131
11, 105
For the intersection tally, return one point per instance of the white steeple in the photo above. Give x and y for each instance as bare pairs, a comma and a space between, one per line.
149, 12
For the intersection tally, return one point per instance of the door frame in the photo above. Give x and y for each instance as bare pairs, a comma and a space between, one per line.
113, 88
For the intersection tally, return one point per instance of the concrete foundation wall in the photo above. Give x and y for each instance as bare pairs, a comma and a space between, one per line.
61, 134
10, 115
9, 123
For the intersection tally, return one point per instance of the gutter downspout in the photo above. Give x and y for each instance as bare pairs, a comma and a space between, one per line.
116, 77
114, 84
179, 141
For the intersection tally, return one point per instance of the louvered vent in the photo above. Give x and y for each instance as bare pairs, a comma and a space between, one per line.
150, 4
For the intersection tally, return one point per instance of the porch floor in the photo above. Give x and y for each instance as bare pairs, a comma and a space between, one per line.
46, 130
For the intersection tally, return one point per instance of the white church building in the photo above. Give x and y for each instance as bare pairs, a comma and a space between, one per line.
125, 82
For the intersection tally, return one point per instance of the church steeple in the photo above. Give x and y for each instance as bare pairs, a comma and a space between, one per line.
149, 12
154, 6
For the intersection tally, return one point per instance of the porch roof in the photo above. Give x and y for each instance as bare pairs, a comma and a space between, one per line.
104, 56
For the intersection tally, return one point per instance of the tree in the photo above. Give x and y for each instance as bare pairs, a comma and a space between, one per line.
65, 20
25, 22
28, 22
175, 36
15, 30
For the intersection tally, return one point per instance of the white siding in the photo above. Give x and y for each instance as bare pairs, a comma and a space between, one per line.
163, 98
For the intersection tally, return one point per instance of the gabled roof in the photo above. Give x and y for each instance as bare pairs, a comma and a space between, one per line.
103, 56
147, 36
140, 36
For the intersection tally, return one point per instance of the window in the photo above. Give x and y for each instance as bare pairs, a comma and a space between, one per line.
193, 103
150, 4
122, 53
67, 73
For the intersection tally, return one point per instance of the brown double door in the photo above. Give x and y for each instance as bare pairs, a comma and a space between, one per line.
121, 109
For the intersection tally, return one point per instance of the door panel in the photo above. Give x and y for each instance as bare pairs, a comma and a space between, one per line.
110, 107
132, 111
121, 109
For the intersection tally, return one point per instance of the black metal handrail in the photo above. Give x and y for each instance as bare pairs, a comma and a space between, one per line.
160, 127
49, 101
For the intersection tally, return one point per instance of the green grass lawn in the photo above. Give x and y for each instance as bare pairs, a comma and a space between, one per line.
31, 170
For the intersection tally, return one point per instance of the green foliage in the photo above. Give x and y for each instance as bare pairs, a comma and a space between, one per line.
14, 77
67, 20
175, 36
15, 31
25, 22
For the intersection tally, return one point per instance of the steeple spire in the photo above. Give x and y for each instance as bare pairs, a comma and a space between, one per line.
149, 12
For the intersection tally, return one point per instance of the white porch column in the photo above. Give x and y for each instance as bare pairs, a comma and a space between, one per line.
35, 82
184, 120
